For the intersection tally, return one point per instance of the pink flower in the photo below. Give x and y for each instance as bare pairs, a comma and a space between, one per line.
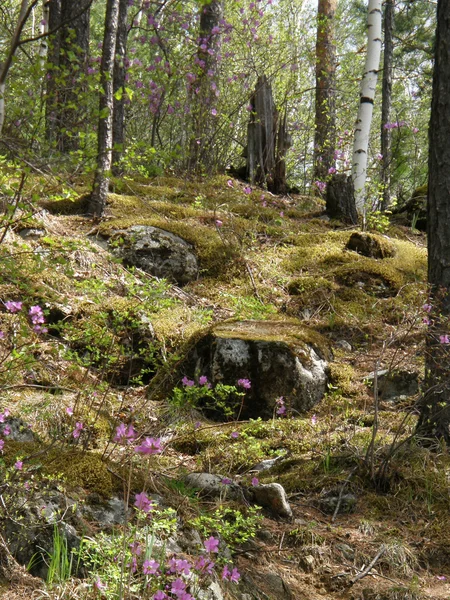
230, 183
6, 430
427, 308
244, 383
203, 380
77, 431
2, 443
150, 567
214, 112
13, 307
415, 130
149, 446
313, 420
160, 595
247, 189
98, 583
69, 411
143, 502
18, 465
226, 481
234, 434
219, 223
211, 544
178, 587
331, 170
255, 481
444, 339
124, 433
187, 382
379, 157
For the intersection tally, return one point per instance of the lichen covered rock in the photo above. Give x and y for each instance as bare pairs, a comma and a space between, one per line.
269, 359
158, 252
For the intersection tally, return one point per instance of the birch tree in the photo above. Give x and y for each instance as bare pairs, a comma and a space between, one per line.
106, 106
367, 95
386, 103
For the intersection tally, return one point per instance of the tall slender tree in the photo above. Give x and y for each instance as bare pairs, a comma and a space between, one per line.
119, 87
99, 194
205, 88
386, 102
435, 410
325, 120
367, 95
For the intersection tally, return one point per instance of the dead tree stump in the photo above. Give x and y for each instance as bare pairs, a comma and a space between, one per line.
340, 199
267, 140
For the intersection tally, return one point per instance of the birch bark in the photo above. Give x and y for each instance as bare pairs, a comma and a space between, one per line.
367, 95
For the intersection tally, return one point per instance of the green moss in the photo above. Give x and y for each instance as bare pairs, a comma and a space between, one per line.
74, 467
341, 377
308, 285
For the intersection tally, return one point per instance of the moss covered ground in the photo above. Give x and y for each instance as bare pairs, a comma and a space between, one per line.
117, 336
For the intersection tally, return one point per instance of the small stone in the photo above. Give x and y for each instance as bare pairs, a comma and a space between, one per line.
344, 345
273, 497
371, 245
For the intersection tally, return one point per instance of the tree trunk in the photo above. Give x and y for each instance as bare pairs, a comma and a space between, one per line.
340, 199
99, 194
267, 140
386, 103
367, 94
67, 103
203, 96
24, 13
51, 103
43, 30
119, 88
325, 122
434, 418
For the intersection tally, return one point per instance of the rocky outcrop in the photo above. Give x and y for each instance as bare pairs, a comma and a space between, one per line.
157, 252
268, 360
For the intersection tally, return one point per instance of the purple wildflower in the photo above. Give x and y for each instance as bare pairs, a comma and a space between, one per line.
149, 446
211, 544
244, 383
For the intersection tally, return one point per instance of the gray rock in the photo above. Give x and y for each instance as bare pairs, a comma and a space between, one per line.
31, 233
347, 551
330, 500
19, 430
264, 465
395, 384
344, 345
212, 485
106, 514
212, 592
273, 497
158, 252
279, 358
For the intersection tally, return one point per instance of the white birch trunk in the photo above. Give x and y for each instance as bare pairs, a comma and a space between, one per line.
367, 94
2, 106
43, 29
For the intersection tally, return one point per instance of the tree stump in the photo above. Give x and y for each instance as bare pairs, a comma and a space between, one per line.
267, 140
340, 199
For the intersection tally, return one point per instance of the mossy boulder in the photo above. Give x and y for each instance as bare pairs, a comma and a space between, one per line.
371, 245
279, 358
158, 252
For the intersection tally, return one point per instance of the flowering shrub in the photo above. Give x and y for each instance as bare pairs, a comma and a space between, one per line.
137, 559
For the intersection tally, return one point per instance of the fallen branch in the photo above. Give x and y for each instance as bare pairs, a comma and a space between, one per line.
370, 566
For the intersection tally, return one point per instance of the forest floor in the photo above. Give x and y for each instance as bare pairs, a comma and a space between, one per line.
261, 257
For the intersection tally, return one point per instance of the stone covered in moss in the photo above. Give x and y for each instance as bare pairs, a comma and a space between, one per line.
371, 245
278, 358
157, 252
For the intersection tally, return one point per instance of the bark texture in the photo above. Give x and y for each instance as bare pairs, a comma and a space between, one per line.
119, 87
204, 90
99, 194
340, 199
267, 140
325, 120
51, 116
386, 102
367, 95
435, 410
